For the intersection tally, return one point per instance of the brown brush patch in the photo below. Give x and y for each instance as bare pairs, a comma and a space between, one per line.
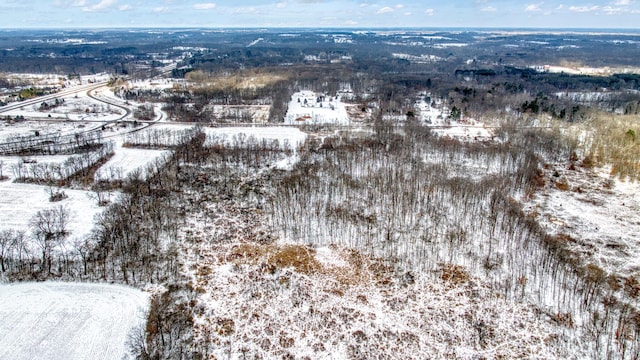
225, 327
299, 257
454, 274
563, 185
246, 253
273, 257
241, 80
360, 269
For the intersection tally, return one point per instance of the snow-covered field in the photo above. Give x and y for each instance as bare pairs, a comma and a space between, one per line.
156, 84
307, 107
126, 160
28, 128
436, 115
20, 202
9, 163
68, 321
237, 135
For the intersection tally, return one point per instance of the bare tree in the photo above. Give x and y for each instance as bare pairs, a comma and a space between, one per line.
100, 194
2, 176
84, 248
7, 239
54, 191
49, 228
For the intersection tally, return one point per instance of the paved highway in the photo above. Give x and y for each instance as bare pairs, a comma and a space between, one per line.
59, 94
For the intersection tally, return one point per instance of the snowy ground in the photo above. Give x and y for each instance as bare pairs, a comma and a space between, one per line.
9, 163
78, 107
125, 161
68, 321
39, 80
464, 132
20, 202
600, 214
156, 84
28, 128
271, 301
235, 113
304, 108
436, 115
233, 135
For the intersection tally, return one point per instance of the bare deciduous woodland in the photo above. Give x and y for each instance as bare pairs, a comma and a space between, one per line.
432, 220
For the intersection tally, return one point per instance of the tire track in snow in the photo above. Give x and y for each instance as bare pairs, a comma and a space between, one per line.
66, 320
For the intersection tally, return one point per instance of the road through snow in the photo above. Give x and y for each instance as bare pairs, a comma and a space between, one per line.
69, 321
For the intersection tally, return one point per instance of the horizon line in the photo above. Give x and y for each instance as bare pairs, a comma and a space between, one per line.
346, 27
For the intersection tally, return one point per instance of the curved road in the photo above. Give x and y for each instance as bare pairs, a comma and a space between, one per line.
89, 88
59, 94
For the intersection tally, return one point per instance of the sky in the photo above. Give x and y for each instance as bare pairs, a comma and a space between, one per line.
618, 14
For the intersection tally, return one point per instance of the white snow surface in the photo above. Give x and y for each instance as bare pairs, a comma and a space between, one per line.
437, 117
70, 321
28, 128
20, 202
126, 160
77, 107
601, 215
10, 162
328, 111
234, 135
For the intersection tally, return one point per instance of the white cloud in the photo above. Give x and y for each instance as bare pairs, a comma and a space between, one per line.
281, 5
246, 10
609, 10
65, 3
124, 7
623, 2
584, 9
429, 12
399, 6
204, 6
351, 23
408, 13
489, 9
102, 5
160, 9
533, 7
385, 10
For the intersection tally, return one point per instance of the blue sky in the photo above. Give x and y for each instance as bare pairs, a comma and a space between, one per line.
318, 13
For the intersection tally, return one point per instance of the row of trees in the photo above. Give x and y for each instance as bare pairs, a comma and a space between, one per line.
50, 144
73, 168
48, 235
131, 242
160, 138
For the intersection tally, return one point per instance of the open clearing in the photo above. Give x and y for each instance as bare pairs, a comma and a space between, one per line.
597, 214
67, 321
125, 161
20, 202
236, 135
307, 107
